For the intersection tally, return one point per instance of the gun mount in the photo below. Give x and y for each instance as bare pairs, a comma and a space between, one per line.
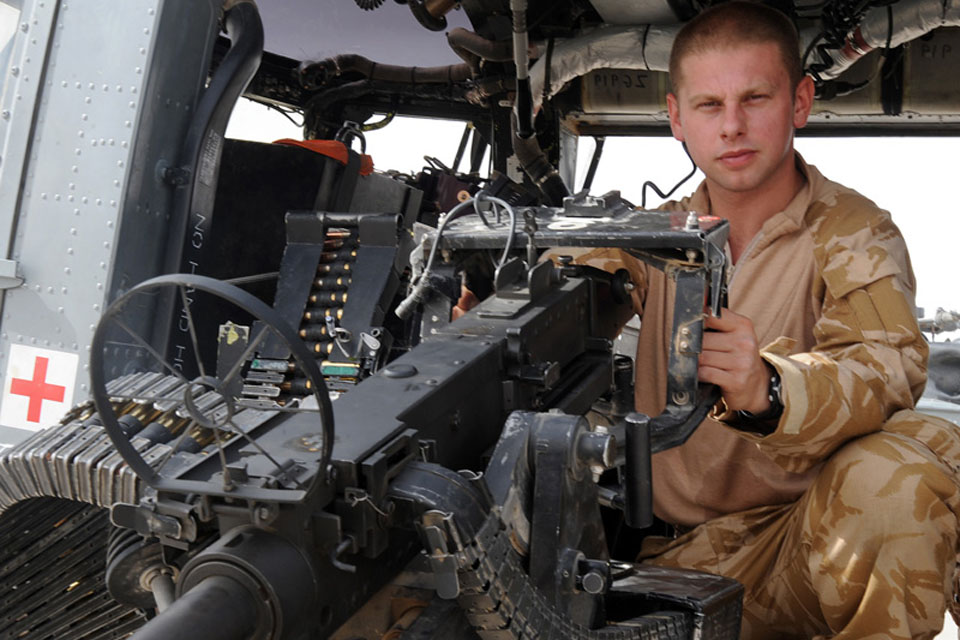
237, 491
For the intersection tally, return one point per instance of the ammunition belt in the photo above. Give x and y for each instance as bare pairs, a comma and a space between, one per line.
76, 459
502, 603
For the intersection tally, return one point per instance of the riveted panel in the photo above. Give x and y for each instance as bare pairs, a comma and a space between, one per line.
113, 86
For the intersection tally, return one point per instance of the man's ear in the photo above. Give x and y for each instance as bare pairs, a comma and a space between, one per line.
673, 108
803, 102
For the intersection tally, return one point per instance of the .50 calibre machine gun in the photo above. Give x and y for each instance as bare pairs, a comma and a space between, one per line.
245, 503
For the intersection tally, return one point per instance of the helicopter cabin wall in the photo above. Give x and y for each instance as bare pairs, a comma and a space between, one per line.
95, 103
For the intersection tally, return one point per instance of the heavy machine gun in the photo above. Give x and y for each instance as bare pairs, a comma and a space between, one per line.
246, 504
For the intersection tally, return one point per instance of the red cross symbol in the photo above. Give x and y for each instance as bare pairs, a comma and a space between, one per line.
37, 389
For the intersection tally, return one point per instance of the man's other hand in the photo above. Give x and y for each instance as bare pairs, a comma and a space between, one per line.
466, 302
731, 360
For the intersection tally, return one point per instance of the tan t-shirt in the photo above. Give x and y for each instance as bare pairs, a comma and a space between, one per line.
828, 285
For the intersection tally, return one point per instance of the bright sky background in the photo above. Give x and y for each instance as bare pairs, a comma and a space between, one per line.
914, 178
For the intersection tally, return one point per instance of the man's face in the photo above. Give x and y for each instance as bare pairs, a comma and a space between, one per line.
737, 113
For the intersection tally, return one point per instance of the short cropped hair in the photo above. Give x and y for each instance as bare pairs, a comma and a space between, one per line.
737, 22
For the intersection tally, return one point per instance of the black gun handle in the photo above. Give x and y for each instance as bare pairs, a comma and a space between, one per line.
638, 483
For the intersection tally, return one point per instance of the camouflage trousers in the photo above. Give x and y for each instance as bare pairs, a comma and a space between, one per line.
869, 551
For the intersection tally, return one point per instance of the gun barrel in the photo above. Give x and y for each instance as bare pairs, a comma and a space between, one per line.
219, 608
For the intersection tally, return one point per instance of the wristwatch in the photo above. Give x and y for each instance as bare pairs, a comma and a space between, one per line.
773, 413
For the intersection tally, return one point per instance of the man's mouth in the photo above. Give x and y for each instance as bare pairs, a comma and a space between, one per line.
737, 158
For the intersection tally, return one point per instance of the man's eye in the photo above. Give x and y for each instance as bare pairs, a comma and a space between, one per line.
756, 97
708, 104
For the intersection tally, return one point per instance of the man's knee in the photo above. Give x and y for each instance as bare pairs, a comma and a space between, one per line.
893, 477
882, 532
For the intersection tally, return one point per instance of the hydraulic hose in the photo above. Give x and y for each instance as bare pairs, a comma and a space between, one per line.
538, 168
478, 45
203, 143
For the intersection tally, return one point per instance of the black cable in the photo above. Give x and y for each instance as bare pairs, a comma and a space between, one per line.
594, 163
650, 184
643, 48
545, 95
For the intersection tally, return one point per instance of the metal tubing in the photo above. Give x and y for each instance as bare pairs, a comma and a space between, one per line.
521, 60
163, 591
219, 608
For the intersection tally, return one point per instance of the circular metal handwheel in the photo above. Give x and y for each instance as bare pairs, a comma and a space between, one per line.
170, 325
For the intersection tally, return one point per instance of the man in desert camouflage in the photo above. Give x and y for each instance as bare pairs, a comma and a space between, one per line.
814, 482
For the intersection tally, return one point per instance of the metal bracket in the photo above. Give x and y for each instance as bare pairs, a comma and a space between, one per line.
8, 275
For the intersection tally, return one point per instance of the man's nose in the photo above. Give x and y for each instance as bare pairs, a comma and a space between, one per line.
734, 121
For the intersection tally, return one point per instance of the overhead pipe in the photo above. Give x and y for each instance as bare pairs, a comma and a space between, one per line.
315, 74
645, 47
492, 50
885, 26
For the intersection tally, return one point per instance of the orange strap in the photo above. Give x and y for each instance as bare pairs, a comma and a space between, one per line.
331, 149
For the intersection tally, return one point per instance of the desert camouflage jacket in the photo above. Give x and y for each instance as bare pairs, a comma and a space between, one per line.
828, 285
